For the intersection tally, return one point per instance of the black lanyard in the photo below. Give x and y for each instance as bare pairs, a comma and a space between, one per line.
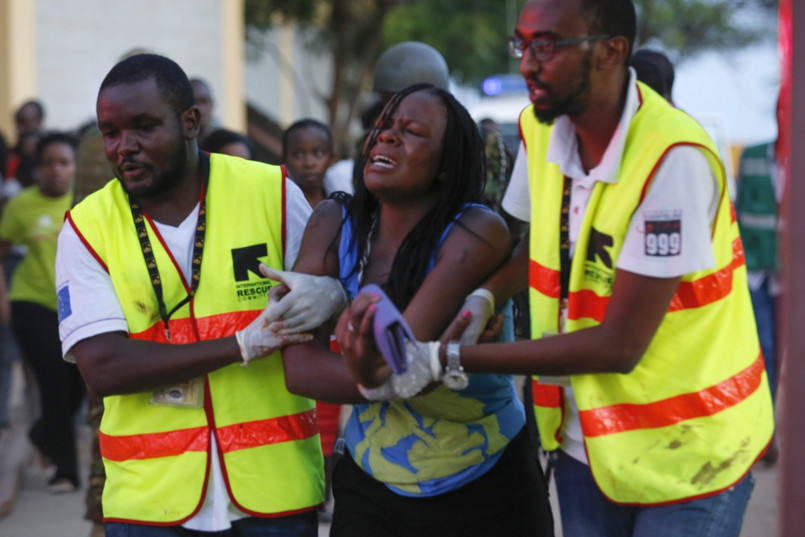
564, 240
198, 249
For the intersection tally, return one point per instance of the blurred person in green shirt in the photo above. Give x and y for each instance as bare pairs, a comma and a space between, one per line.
34, 218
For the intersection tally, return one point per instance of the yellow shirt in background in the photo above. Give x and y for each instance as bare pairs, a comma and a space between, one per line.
33, 219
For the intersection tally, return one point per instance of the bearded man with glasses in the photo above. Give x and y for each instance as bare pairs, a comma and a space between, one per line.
652, 396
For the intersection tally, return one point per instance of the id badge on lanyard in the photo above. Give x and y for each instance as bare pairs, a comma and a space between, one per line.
188, 394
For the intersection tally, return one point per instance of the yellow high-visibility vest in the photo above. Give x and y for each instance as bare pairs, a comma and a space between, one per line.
157, 458
695, 413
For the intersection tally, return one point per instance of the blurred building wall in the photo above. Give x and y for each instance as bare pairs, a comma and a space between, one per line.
60, 51
284, 78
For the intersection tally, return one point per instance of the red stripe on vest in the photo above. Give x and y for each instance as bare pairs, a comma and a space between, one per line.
587, 304
153, 445
710, 288
86, 243
230, 438
543, 279
269, 431
630, 417
549, 397
689, 295
213, 326
546, 395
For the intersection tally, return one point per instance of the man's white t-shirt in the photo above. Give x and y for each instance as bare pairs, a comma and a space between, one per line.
684, 189
95, 309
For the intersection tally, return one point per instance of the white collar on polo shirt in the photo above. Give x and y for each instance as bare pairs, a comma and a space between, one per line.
563, 145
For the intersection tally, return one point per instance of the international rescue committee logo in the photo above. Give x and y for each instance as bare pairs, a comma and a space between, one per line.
249, 283
598, 267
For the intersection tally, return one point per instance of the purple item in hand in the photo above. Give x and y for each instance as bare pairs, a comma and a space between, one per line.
390, 330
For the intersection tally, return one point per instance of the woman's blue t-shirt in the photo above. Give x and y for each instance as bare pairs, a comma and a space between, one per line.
433, 443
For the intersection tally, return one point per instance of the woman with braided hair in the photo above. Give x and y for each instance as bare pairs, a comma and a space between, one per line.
451, 461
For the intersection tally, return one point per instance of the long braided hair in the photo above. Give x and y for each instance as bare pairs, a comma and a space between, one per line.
463, 171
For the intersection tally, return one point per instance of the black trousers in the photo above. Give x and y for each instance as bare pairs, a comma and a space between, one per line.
511, 499
61, 388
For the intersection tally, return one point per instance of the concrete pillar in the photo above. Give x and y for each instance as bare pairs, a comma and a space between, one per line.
17, 60
285, 75
232, 105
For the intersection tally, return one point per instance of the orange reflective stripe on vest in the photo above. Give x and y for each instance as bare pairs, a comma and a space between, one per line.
153, 445
546, 395
269, 431
629, 417
544, 279
183, 329
693, 294
586, 304
710, 288
231, 438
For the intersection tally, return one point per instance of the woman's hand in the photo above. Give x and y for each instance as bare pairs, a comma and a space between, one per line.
356, 341
355, 335
463, 322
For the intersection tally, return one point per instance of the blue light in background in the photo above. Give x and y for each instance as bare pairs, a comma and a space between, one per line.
492, 86
503, 84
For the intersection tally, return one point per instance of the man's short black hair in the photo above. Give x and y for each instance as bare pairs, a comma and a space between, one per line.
202, 82
611, 17
306, 123
218, 138
655, 69
36, 104
55, 137
171, 80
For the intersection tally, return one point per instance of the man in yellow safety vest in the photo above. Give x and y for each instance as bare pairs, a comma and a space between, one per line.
652, 394
161, 300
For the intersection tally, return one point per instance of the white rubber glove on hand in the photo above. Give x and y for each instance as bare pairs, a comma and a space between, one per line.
257, 340
424, 367
312, 301
481, 303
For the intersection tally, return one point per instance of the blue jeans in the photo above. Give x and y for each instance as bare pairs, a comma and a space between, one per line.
763, 304
302, 525
586, 512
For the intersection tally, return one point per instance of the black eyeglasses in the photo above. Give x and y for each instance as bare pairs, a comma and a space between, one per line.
544, 47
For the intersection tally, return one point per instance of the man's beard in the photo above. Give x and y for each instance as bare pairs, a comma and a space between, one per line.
165, 181
572, 105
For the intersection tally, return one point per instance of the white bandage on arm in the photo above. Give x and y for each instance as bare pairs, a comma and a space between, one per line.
481, 304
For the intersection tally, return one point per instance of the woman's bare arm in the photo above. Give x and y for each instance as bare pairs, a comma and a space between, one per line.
312, 369
472, 250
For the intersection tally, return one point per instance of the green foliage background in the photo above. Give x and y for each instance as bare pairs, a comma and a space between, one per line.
471, 33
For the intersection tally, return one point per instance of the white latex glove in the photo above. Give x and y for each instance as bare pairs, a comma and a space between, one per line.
424, 367
311, 301
257, 340
481, 303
